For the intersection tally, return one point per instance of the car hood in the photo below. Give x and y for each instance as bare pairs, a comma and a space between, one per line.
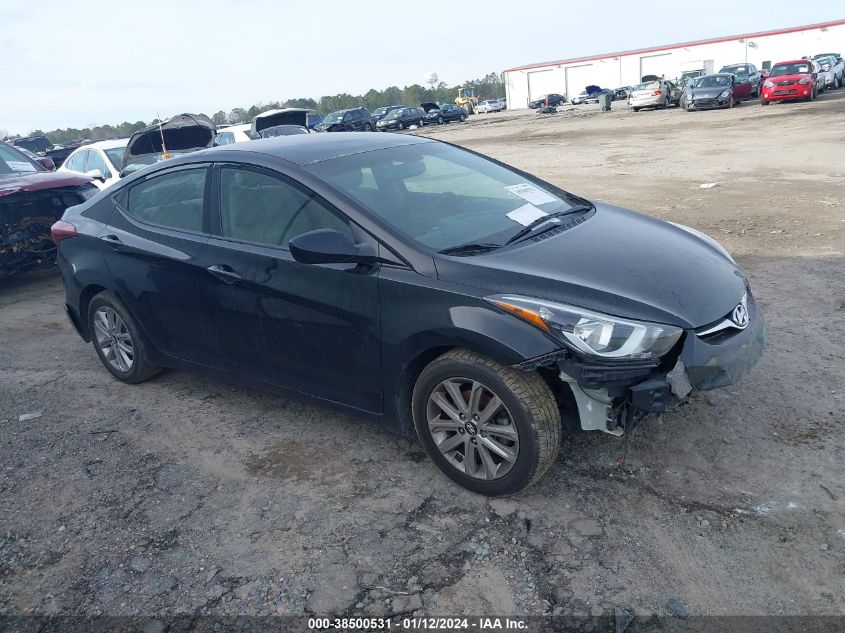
618, 262
708, 93
37, 180
795, 77
182, 133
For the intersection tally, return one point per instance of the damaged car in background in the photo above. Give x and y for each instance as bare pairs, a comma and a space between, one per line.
181, 134
32, 198
431, 289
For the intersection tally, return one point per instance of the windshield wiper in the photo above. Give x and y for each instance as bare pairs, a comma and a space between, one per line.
543, 220
470, 248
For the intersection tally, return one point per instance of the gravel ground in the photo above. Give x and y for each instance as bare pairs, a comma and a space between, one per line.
186, 495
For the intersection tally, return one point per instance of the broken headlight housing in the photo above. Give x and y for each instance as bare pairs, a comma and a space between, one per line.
593, 333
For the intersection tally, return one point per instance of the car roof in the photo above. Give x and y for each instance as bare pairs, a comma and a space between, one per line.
117, 142
793, 61
304, 149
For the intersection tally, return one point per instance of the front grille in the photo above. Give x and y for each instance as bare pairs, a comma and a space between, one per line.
786, 92
723, 328
787, 82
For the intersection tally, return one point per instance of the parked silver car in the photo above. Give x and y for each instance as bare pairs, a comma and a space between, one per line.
833, 69
489, 105
658, 93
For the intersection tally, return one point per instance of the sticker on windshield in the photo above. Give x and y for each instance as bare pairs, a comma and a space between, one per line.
526, 214
531, 194
19, 165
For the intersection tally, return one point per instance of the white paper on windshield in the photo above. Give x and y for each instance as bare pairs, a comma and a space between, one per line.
526, 214
530, 193
19, 166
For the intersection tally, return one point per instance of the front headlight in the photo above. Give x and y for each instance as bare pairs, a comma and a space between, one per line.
706, 238
725, 93
592, 333
768, 84
805, 80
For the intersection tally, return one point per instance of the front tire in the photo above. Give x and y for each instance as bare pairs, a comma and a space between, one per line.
463, 118
118, 340
763, 102
494, 430
400, 126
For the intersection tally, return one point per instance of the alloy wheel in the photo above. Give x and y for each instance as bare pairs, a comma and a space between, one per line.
472, 428
113, 339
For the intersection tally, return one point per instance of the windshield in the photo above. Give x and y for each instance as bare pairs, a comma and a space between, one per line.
650, 85
798, 68
333, 117
115, 155
442, 196
393, 114
379, 111
712, 81
13, 162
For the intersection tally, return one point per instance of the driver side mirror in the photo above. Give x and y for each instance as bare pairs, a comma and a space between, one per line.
327, 246
47, 163
96, 174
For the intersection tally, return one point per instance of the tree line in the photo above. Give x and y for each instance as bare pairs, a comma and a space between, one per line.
491, 86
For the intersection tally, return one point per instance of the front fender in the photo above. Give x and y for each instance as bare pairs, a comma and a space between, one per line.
421, 320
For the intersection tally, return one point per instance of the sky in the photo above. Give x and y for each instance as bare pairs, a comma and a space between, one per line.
76, 64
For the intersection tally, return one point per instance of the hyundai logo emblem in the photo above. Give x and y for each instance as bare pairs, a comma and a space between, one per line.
740, 316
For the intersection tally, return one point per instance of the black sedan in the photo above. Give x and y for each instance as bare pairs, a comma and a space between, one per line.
443, 113
402, 118
413, 283
550, 99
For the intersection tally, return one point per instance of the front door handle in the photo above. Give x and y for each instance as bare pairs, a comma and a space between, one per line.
112, 240
224, 273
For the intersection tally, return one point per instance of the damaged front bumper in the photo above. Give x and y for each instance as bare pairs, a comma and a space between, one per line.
614, 397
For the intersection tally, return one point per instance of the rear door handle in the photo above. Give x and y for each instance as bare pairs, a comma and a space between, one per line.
224, 273
113, 240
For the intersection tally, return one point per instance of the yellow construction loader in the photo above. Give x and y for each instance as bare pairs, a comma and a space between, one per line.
467, 99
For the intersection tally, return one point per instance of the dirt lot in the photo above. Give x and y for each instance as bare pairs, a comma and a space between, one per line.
185, 495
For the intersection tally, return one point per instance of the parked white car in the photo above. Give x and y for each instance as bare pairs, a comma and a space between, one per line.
834, 69
101, 161
489, 105
233, 134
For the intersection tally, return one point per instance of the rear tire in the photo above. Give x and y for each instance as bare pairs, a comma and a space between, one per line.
527, 410
635, 109
118, 341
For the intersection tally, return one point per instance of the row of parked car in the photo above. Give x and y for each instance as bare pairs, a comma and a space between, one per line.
36, 188
804, 78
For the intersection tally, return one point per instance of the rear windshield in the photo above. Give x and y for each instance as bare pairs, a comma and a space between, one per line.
790, 69
651, 85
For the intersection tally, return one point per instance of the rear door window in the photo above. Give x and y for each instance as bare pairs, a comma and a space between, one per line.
173, 200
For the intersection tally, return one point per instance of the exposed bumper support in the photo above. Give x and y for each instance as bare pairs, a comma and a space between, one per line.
614, 397
595, 407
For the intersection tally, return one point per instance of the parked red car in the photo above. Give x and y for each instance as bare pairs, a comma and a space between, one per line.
31, 200
797, 79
